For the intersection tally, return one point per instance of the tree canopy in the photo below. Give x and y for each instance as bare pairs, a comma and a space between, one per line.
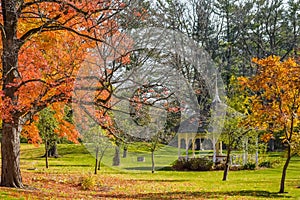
275, 101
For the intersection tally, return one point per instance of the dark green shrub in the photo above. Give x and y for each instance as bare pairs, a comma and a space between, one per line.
275, 163
193, 164
269, 164
200, 164
266, 164
180, 165
250, 166
220, 166
236, 167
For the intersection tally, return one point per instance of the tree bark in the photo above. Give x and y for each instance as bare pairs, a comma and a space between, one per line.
281, 190
101, 156
125, 152
52, 150
152, 161
10, 145
96, 164
99, 164
46, 154
10, 151
226, 169
116, 158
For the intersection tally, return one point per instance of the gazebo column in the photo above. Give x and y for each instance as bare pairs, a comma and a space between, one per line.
217, 148
215, 151
193, 146
201, 144
186, 146
245, 156
256, 151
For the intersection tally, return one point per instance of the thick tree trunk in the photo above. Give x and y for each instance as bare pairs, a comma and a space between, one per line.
281, 190
10, 150
226, 169
10, 145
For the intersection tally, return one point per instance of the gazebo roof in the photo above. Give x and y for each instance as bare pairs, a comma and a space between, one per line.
194, 124
200, 123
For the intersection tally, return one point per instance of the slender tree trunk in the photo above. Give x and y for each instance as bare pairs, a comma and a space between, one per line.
284, 169
152, 161
100, 159
226, 169
46, 153
116, 158
101, 156
11, 128
96, 164
99, 164
125, 152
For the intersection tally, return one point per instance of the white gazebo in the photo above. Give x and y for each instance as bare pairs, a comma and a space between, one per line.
199, 127
189, 131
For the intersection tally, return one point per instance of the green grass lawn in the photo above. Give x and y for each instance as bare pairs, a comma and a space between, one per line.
76, 161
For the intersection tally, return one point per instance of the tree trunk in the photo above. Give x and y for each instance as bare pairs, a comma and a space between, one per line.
46, 153
125, 152
116, 158
284, 169
99, 164
152, 161
96, 164
226, 169
11, 128
10, 152
52, 150
101, 156
100, 159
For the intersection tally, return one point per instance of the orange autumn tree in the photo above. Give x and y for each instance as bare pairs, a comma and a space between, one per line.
275, 101
30, 78
57, 69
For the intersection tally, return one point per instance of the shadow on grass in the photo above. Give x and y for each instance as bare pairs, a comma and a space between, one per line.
163, 180
67, 165
145, 169
149, 168
196, 195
